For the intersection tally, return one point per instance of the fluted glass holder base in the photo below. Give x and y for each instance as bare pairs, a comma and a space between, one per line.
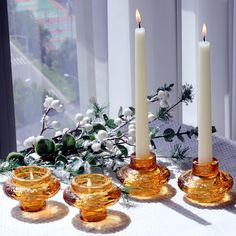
144, 178
93, 215
31, 186
32, 207
205, 184
92, 194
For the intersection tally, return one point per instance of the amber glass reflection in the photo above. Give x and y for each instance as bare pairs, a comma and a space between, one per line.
31, 186
205, 183
92, 193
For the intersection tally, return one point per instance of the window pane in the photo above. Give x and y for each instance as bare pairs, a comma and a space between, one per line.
44, 62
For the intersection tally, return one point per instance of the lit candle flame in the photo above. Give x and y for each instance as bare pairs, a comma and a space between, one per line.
204, 31
89, 183
138, 17
31, 175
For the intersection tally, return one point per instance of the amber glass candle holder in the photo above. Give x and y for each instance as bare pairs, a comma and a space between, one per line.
31, 186
205, 184
92, 194
143, 177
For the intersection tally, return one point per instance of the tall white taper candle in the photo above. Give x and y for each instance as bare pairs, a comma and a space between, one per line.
141, 106
204, 103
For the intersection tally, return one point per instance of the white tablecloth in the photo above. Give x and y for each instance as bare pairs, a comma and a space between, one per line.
161, 217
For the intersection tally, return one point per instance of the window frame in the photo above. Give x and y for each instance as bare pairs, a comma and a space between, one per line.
7, 117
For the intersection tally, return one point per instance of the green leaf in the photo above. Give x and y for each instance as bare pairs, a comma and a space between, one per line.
213, 129
90, 158
78, 172
187, 93
98, 127
90, 137
190, 133
98, 110
59, 164
68, 141
125, 190
15, 157
178, 129
162, 114
122, 149
166, 88
119, 134
110, 123
61, 158
105, 117
180, 137
179, 152
153, 143
45, 147
58, 147
120, 112
132, 109
169, 135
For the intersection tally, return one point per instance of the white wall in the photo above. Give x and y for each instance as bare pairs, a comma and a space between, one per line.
100, 41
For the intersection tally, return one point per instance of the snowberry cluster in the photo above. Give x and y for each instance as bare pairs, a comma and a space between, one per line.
163, 97
55, 104
86, 122
49, 104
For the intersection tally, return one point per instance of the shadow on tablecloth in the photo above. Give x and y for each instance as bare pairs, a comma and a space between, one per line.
114, 222
165, 199
53, 211
185, 212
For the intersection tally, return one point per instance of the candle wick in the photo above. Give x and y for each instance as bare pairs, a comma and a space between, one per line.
139, 24
31, 175
204, 38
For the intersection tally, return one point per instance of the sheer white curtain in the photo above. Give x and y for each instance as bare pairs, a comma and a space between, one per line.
119, 58
91, 25
217, 16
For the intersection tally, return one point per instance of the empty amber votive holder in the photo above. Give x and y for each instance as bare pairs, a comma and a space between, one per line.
205, 184
31, 186
143, 177
92, 194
